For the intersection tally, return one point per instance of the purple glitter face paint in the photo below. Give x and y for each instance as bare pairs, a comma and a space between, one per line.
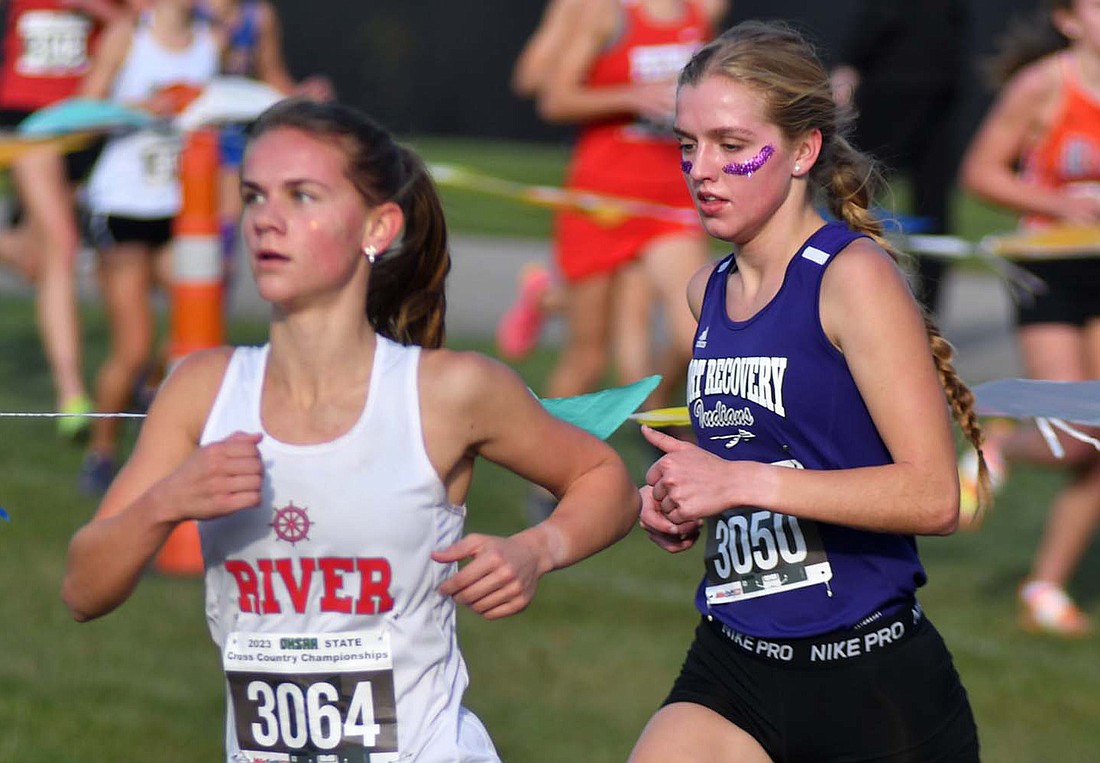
746, 168
685, 166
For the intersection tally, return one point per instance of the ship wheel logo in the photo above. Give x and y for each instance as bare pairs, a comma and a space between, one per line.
291, 523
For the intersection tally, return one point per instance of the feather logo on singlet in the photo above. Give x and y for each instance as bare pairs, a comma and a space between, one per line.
733, 439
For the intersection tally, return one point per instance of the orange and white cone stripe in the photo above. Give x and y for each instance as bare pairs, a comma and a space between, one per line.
197, 317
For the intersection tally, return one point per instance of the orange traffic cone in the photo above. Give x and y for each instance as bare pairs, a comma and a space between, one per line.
196, 296
196, 320
181, 554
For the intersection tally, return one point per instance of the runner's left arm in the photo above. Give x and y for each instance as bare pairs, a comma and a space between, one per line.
491, 413
869, 313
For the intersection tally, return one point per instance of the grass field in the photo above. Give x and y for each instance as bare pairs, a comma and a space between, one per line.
573, 678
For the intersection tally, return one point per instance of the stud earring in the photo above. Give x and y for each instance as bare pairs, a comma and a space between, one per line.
372, 253
797, 168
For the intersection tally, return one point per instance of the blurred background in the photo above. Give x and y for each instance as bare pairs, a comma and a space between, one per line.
442, 68
575, 677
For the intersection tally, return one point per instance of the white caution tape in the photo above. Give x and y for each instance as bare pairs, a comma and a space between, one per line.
56, 415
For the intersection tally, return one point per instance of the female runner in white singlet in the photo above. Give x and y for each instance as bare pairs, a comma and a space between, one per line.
329, 468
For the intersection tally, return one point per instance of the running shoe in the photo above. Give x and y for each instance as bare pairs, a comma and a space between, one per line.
96, 474
970, 514
520, 326
75, 424
1046, 608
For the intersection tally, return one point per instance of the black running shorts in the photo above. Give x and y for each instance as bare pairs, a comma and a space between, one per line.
856, 696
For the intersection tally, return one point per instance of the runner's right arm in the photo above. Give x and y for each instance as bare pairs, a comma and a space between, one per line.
167, 479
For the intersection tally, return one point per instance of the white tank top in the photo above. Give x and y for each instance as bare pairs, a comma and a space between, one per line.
324, 600
137, 173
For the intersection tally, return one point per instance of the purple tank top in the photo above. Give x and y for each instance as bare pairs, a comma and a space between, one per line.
774, 389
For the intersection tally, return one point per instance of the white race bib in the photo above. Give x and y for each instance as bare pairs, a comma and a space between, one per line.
313, 697
55, 43
160, 157
755, 552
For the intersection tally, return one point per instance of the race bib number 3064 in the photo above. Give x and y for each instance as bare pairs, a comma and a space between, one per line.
313, 698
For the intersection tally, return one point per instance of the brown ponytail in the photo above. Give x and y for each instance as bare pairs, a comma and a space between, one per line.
406, 300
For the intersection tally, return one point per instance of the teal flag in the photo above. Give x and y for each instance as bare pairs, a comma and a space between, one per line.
601, 413
76, 114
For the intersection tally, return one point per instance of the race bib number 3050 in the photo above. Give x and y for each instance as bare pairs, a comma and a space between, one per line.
755, 552
313, 698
